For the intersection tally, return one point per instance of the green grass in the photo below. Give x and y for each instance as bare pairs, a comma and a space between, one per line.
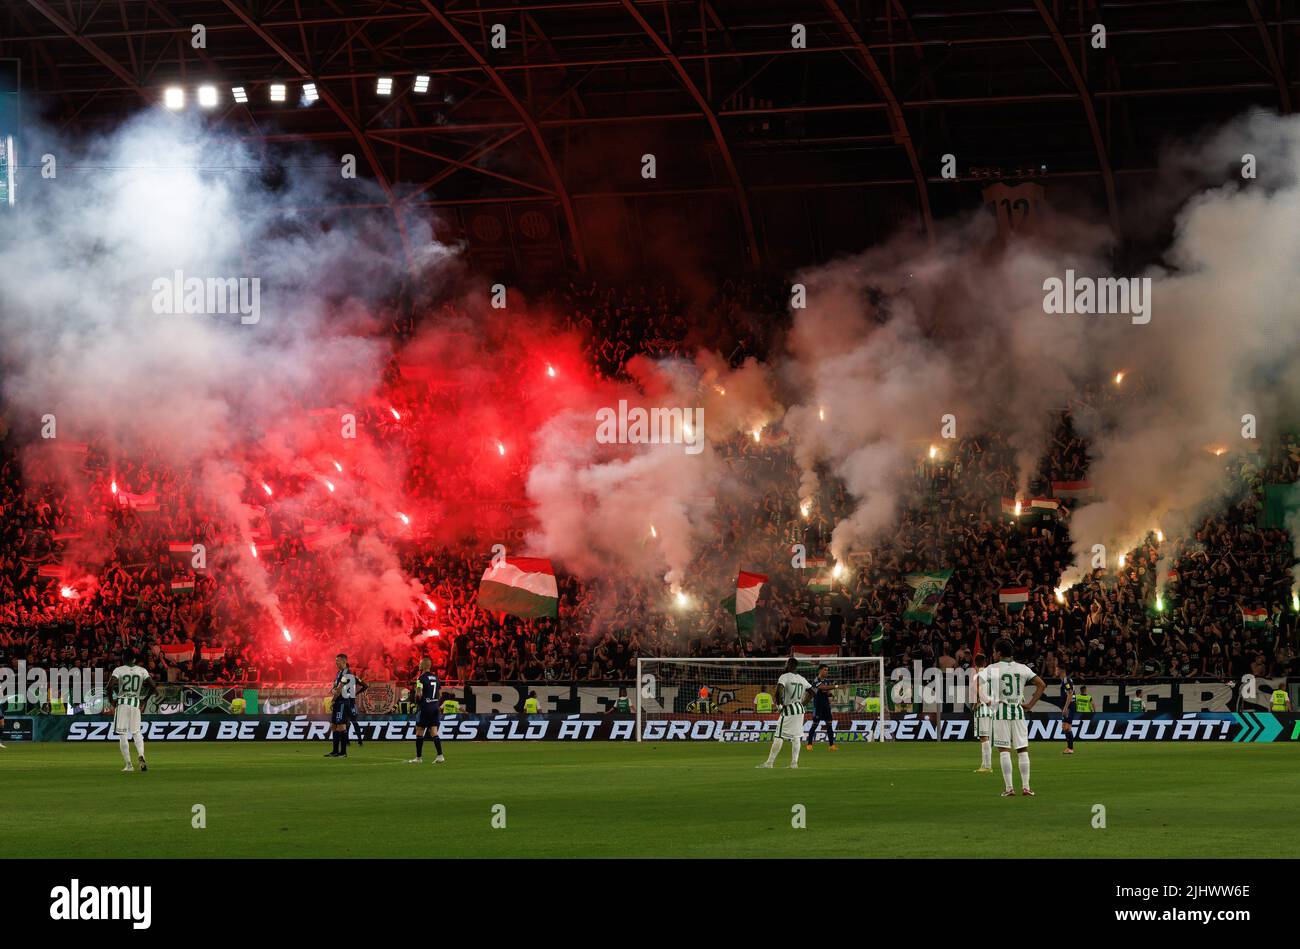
650, 800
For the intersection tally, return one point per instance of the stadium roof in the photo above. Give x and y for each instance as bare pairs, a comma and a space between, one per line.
766, 150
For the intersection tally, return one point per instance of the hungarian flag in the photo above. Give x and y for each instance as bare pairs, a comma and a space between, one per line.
927, 591
819, 575
1013, 598
70, 535
520, 586
741, 603
212, 653
180, 549
1254, 618
1049, 506
54, 571
182, 587
1072, 489
178, 652
1009, 507
979, 649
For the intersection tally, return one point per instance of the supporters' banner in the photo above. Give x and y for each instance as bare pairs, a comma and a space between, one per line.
212, 654
927, 591
177, 652
138, 502
742, 603
520, 586
1255, 727
1161, 698
1011, 507
1013, 598
71, 535
180, 548
182, 587
1078, 490
53, 571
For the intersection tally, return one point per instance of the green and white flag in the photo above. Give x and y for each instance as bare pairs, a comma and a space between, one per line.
741, 603
927, 591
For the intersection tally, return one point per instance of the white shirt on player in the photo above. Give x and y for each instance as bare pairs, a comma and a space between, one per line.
1007, 681
130, 685
792, 686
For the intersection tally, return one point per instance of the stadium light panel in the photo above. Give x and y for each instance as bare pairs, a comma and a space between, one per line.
277, 92
174, 98
384, 86
309, 94
208, 97
421, 83
238, 93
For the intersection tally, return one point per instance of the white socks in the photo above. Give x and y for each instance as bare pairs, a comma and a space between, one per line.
1023, 758
794, 753
776, 749
139, 743
1005, 758
126, 749
986, 754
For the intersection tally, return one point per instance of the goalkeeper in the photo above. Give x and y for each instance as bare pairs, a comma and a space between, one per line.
821, 691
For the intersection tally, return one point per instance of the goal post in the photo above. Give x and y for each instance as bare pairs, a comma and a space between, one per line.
673, 693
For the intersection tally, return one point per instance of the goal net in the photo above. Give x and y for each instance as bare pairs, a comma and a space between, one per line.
725, 699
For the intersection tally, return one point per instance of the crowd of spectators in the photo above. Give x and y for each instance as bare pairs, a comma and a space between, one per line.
1107, 625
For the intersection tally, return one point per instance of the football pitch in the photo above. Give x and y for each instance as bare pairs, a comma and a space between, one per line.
650, 800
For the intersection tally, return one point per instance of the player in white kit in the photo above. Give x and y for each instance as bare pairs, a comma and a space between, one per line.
982, 714
790, 691
1007, 679
129, 688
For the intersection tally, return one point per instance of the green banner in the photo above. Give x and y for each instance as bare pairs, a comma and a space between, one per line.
927, 591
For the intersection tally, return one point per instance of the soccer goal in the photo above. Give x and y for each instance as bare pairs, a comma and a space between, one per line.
679, 698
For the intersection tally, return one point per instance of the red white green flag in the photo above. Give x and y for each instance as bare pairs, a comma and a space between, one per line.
1013, 598
178, 652
742, 603
1254, 617
520, 586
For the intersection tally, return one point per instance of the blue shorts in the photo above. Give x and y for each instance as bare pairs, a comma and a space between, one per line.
427, 718
343, 710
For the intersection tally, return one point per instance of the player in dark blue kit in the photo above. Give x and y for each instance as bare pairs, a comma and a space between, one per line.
821, 691
342, 706
1067, 712
426, 712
